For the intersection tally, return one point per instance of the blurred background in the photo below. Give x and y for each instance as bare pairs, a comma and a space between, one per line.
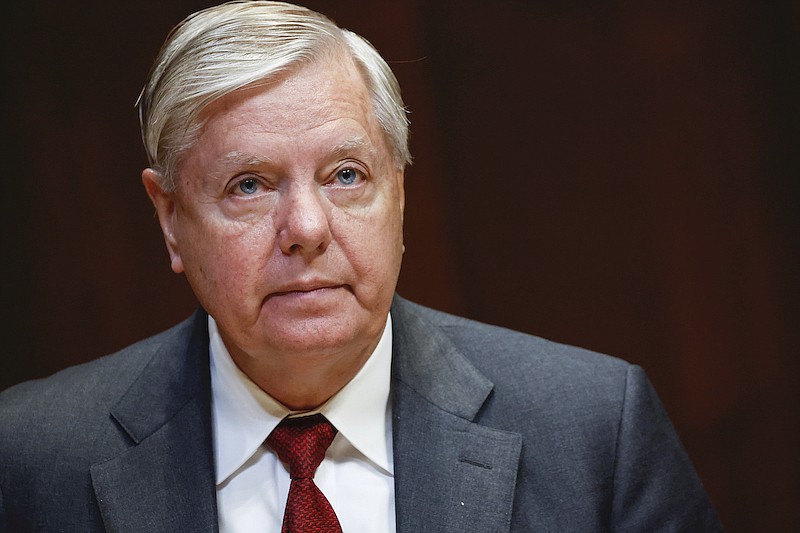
617, 175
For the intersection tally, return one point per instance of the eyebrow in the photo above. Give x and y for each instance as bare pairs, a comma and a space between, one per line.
237, 158
245, 159
349, 145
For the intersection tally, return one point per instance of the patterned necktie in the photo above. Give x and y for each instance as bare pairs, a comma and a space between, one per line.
301, 443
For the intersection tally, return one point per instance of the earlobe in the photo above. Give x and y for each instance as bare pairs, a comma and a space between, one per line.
164, 202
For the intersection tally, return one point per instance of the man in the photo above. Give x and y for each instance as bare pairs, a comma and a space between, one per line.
277, 146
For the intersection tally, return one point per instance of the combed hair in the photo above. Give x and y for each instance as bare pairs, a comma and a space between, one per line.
221, 49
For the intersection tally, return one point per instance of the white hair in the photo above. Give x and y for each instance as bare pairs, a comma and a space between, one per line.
221, 49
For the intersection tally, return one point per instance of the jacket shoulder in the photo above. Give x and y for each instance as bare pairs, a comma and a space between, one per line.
577, 394
73, 397
53, 430
502, 354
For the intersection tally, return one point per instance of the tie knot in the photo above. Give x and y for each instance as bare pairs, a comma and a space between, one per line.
301, 443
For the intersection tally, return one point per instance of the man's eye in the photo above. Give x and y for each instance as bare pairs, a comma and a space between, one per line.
248, 186
347, 176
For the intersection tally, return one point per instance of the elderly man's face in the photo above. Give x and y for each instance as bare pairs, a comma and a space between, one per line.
287, 218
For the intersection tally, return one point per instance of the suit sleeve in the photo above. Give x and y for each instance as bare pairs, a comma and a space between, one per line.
655, 485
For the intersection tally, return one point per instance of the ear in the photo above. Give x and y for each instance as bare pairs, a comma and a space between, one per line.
401, 191
164, 202
401, 197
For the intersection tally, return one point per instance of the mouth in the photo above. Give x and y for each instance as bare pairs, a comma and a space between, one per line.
302, 290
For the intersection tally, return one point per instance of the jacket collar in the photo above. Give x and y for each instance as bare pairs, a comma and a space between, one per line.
165, 482
451, 473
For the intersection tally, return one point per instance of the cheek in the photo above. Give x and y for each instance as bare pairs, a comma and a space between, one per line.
372, 244
224, 258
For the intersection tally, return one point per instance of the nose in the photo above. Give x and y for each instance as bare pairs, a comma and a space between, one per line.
303, 224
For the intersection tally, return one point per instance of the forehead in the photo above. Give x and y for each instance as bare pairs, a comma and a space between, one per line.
303, 118
320, 94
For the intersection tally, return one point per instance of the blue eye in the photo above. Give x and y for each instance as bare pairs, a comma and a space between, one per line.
347, 176
248, 186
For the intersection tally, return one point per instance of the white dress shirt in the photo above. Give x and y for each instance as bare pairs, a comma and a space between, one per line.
356, 475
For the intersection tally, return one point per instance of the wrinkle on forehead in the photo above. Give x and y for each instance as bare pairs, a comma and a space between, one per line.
340, 149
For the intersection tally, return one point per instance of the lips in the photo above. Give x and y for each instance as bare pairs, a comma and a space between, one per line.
303, 288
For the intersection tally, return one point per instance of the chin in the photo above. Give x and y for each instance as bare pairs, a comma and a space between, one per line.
326, 336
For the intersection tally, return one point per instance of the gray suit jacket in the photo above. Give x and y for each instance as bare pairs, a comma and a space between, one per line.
493, 431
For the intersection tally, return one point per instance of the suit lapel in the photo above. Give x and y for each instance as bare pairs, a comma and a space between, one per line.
165, 481
451, 474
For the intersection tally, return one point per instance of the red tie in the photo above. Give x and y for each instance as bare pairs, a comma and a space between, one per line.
301, 443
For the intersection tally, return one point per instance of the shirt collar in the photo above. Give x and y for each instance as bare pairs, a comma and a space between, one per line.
244, 415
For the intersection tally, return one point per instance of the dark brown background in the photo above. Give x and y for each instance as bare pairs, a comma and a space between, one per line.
615, 175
